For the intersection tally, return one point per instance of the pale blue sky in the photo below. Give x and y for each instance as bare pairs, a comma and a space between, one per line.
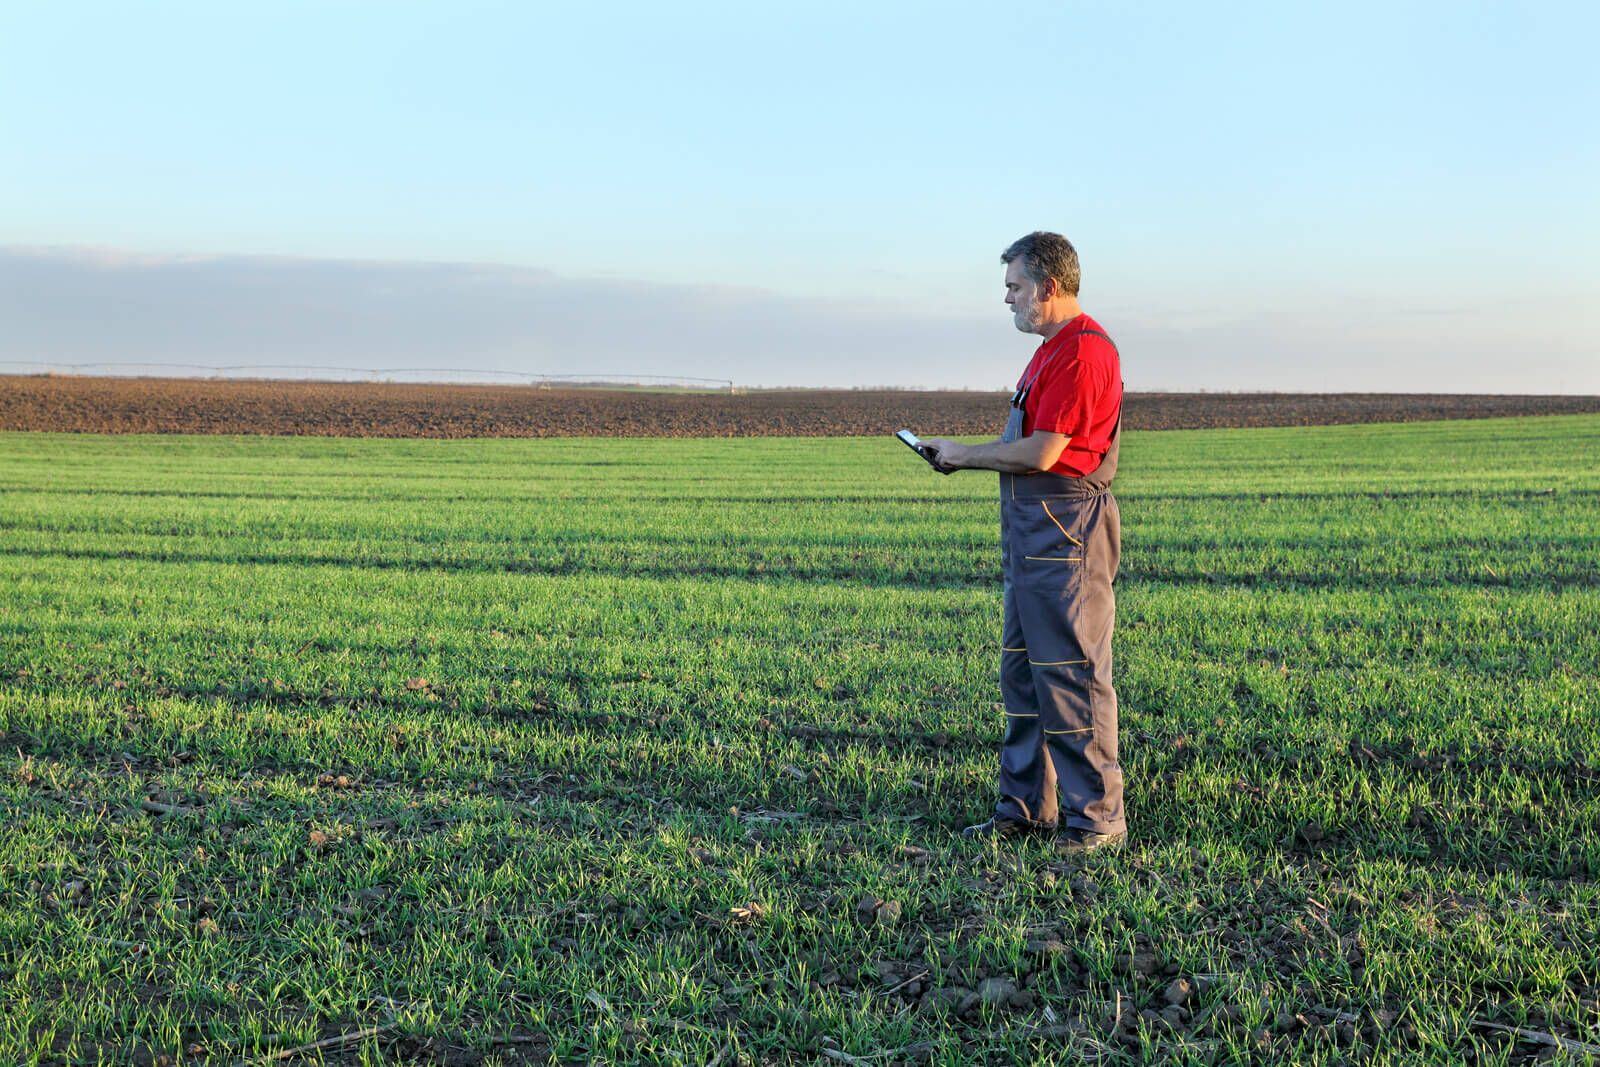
1264, 196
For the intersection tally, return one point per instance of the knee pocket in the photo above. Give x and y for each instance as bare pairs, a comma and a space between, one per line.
1065, 698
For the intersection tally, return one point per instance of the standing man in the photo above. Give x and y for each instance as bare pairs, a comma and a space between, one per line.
1060, 536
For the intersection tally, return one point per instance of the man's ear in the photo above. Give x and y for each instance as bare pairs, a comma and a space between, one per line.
1049, 289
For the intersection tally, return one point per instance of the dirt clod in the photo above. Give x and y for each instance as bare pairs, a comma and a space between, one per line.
997, 992
872, 910
1142, 963
958, 1000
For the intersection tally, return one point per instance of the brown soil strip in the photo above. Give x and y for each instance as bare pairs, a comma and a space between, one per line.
358, 409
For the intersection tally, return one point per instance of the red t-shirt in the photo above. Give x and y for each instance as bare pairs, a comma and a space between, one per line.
1078, 393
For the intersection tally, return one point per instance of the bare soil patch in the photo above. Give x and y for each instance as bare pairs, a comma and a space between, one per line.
362, 409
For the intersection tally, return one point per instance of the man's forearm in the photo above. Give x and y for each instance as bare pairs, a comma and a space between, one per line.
1007, 457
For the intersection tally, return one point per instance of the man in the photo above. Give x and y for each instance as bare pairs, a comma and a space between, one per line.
1060, 537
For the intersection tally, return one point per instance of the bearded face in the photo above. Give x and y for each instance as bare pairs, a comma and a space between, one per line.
1022, 297
1027, 314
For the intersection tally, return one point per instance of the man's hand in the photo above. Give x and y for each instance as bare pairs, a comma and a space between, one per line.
947, 454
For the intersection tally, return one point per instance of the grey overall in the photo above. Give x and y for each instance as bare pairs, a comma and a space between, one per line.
1060, 538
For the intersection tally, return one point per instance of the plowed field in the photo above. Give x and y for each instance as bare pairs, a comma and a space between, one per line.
359, 409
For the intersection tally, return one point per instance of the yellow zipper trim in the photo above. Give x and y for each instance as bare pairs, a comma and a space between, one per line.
1046, 505
1057, 559
1056, 662
1084, 730
1003, 648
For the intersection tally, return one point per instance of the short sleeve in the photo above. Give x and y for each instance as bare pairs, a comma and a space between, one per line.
1069, 397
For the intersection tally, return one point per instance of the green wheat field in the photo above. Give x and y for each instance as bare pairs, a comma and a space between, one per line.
492, 751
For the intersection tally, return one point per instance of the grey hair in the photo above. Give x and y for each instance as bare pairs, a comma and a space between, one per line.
1047, 255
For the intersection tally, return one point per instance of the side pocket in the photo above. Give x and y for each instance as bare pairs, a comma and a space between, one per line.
1070, 539
1057, 545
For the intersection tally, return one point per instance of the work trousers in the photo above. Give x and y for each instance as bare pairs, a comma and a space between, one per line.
1061, 539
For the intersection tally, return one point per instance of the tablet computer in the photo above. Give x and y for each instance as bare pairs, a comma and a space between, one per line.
913, 442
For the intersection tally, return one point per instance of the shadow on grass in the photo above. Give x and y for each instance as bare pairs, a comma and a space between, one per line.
782, 571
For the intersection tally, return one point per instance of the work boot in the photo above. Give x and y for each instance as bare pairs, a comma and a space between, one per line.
1075, 840
997, 829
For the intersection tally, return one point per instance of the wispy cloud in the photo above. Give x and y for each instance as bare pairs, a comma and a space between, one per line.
95, 304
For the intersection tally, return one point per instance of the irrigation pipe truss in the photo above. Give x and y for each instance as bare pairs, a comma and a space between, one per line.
376, 373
